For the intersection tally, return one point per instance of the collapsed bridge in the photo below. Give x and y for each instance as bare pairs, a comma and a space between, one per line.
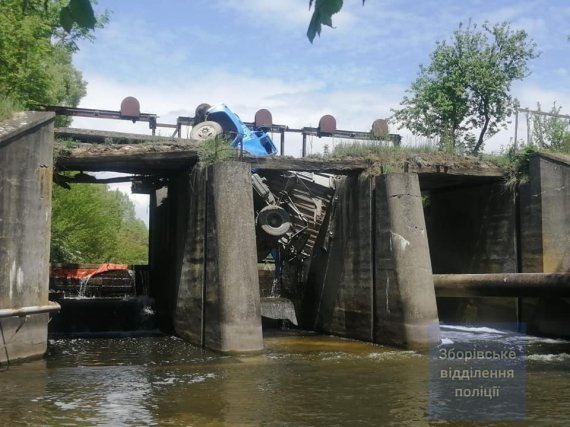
373, 240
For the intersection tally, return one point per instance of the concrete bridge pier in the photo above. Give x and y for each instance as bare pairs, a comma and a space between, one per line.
405, 304
26, 168
218, 300
372, 277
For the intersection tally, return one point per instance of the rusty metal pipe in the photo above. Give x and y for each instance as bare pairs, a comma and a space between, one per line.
502, 285
34, 309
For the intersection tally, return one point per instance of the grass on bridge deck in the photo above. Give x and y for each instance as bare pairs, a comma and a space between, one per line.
94, 150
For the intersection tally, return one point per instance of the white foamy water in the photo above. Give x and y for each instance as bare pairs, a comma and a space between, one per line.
473, 329
562, 357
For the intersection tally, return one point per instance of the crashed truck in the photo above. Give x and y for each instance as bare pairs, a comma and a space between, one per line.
281, 227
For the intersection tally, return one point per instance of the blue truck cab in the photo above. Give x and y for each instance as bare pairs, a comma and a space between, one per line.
255, 141
273, 221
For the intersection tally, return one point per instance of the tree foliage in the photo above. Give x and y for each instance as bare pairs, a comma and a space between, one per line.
322, 15
463, 97
36, 51
77, 13
91, 224
552, 130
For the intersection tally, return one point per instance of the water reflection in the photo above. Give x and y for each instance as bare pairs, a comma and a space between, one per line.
21, 386
297, 380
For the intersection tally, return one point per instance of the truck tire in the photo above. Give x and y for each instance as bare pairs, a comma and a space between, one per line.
205, 131
274, 220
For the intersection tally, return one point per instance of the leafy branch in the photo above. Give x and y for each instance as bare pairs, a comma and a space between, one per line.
322, 15
78, 12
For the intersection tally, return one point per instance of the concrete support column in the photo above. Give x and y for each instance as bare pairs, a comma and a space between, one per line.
162, 236
344, 267
218, 303
404, 295
26, 169
550, 184
545, 241
372, 274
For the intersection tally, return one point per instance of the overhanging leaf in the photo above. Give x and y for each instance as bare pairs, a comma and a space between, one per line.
322, 15
82, 13
66, 19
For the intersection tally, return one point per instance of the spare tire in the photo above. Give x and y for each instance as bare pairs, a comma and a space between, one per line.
274, 220
205, 131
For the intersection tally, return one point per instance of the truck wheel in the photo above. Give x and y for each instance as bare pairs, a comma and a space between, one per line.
274, 220
205, 131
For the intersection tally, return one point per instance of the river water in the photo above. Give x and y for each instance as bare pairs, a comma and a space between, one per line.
298, 380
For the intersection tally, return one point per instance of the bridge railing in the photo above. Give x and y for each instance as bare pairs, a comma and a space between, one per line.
130, 110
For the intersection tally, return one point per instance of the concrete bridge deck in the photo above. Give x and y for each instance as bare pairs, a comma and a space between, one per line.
146, 154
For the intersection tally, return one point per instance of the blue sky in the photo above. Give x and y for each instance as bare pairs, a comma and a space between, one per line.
251, 54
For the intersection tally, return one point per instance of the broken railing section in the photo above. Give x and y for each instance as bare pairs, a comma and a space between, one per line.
130, 110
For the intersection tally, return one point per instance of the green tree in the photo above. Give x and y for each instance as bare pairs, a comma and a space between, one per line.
551, 130
91, 224
36, 52
463, 96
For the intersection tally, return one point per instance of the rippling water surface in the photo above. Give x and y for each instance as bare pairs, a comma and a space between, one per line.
298, 380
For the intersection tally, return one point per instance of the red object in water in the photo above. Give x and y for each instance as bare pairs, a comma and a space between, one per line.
82, 272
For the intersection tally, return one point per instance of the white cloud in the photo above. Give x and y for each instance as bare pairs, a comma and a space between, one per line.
274, 13
530, 94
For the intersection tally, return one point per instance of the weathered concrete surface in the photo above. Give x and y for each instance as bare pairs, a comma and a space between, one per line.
26, 168
218, 293
406, 311
372, 277
168, 210
473, 230
144, 153
554, 175
278, 309
189, 316
530, 227
545, 222
343, 270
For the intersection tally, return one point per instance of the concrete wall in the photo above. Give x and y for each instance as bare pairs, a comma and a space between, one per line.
371, 277
550, 187
485, 230
473, 230
160, 256
342, 273
168, 218
26, 169
218, 303
545, 224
